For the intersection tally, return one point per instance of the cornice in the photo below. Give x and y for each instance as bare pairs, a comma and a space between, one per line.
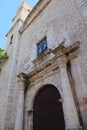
34, 13
52, 64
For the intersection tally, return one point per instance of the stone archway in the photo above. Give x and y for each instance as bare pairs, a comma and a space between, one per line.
48, 111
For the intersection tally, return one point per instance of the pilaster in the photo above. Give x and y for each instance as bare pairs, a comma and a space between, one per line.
20, 110
70, 112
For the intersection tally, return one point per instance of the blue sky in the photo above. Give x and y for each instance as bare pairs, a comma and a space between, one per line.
8, 10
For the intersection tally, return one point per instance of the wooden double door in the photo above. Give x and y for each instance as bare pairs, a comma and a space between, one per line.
48, 111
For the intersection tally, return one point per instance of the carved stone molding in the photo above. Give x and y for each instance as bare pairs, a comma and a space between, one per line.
45, 63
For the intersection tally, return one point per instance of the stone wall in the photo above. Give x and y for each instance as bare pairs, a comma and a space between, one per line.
60, 21
4, 74
4, 78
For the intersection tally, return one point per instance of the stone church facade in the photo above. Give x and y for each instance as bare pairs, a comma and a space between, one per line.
47, 49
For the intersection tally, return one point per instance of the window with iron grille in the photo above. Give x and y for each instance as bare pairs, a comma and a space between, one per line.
42, 46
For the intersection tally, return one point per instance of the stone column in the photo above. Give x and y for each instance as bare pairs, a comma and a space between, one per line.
70, 112
19, 118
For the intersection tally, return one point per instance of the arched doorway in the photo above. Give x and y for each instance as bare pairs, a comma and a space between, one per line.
48, 111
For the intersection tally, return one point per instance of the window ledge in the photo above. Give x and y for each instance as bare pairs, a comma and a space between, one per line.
42, 56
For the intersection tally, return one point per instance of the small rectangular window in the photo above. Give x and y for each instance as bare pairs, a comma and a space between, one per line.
11, 39
42, 46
